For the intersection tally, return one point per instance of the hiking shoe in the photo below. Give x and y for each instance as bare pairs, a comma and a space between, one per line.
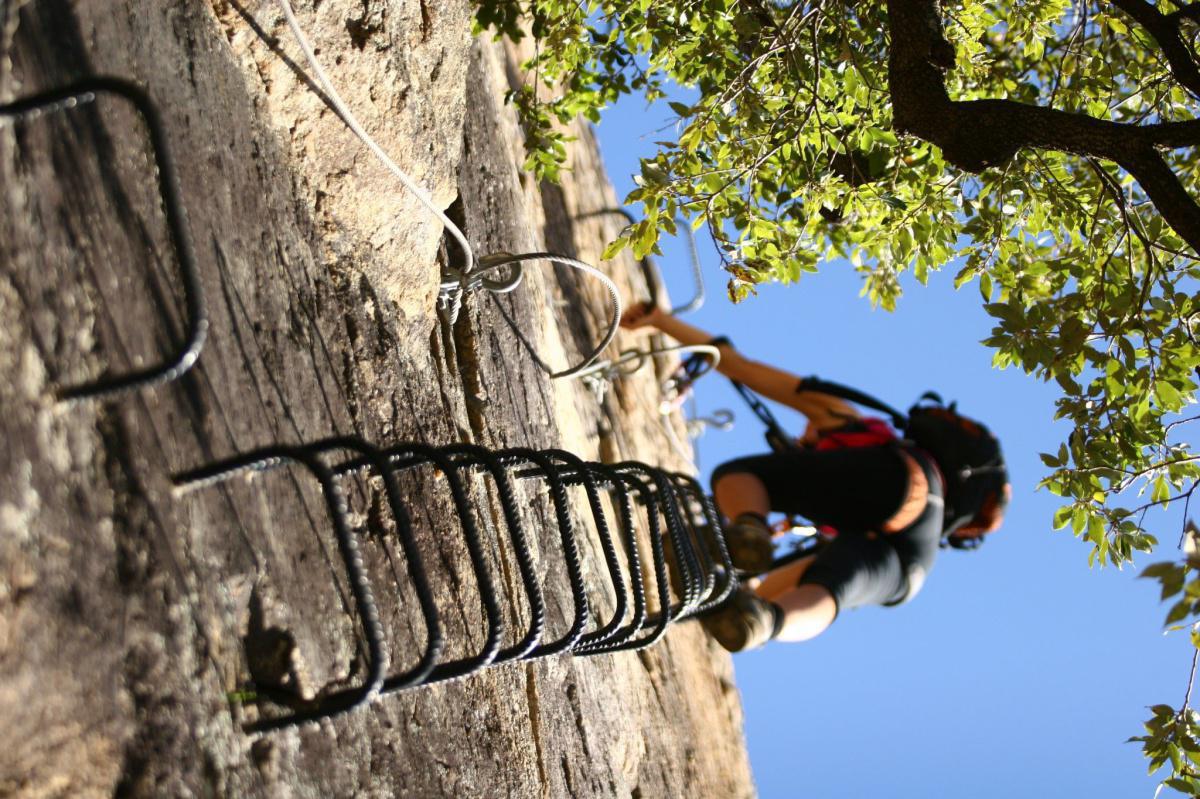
750, 544
746, 621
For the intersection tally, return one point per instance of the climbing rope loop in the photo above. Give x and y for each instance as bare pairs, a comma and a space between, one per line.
501, 260
626, 504
184, 355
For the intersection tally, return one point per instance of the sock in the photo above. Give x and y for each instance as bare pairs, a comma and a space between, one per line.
778, 617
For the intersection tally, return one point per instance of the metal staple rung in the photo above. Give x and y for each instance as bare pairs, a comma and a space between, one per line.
690, 566
183, 356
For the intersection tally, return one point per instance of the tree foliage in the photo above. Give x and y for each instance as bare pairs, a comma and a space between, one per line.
1044, 148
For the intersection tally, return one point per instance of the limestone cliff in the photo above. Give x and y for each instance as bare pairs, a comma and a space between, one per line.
130, 617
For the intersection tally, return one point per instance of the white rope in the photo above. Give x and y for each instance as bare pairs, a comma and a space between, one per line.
458, 282
352, 122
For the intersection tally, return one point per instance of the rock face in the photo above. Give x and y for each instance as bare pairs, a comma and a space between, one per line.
132, 618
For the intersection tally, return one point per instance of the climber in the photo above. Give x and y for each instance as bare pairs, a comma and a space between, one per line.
887, 498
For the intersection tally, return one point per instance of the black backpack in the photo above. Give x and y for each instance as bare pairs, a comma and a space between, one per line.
967, 453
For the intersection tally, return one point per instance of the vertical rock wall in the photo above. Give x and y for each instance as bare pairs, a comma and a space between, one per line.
131, 619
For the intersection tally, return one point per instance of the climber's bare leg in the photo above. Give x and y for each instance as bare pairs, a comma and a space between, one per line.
739, 492
808, 609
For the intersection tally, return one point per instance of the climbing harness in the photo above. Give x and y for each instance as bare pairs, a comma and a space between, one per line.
650, 271
600, 375
967, 455
689, 568
777, 438
183, 356
457, 282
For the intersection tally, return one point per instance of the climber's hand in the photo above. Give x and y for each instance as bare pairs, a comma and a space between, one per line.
643, 314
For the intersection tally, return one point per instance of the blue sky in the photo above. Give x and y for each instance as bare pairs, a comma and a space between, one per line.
1018, 670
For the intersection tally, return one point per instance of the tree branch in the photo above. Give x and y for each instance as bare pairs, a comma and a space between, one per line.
1191, 12
1165, 31
1169, 134
978, 134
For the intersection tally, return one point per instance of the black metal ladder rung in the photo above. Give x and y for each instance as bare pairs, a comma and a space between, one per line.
687, 554
184, 355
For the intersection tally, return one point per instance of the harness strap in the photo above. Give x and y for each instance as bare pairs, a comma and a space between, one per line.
814, 383
776, 436
779, 440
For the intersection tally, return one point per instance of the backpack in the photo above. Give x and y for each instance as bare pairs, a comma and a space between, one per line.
966, 452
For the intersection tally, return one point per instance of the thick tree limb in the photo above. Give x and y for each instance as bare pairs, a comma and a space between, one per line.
1168, 134
1186, 12
974, 135
1165, 31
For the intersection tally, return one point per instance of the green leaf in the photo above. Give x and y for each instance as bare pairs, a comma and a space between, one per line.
1079, 519
1159, 570
614, 248
985, 287
1178, 611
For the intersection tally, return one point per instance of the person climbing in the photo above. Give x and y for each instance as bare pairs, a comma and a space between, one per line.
888, 500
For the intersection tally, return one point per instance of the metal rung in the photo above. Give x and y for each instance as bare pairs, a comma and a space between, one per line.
690, 565
183, 356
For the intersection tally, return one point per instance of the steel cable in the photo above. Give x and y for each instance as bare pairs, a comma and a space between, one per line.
456, 282
650, 270
610, 332
352, 122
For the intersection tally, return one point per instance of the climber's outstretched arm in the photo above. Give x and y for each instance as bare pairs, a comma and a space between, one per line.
822, 410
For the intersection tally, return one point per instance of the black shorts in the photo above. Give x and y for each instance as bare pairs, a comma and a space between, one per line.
855, 491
